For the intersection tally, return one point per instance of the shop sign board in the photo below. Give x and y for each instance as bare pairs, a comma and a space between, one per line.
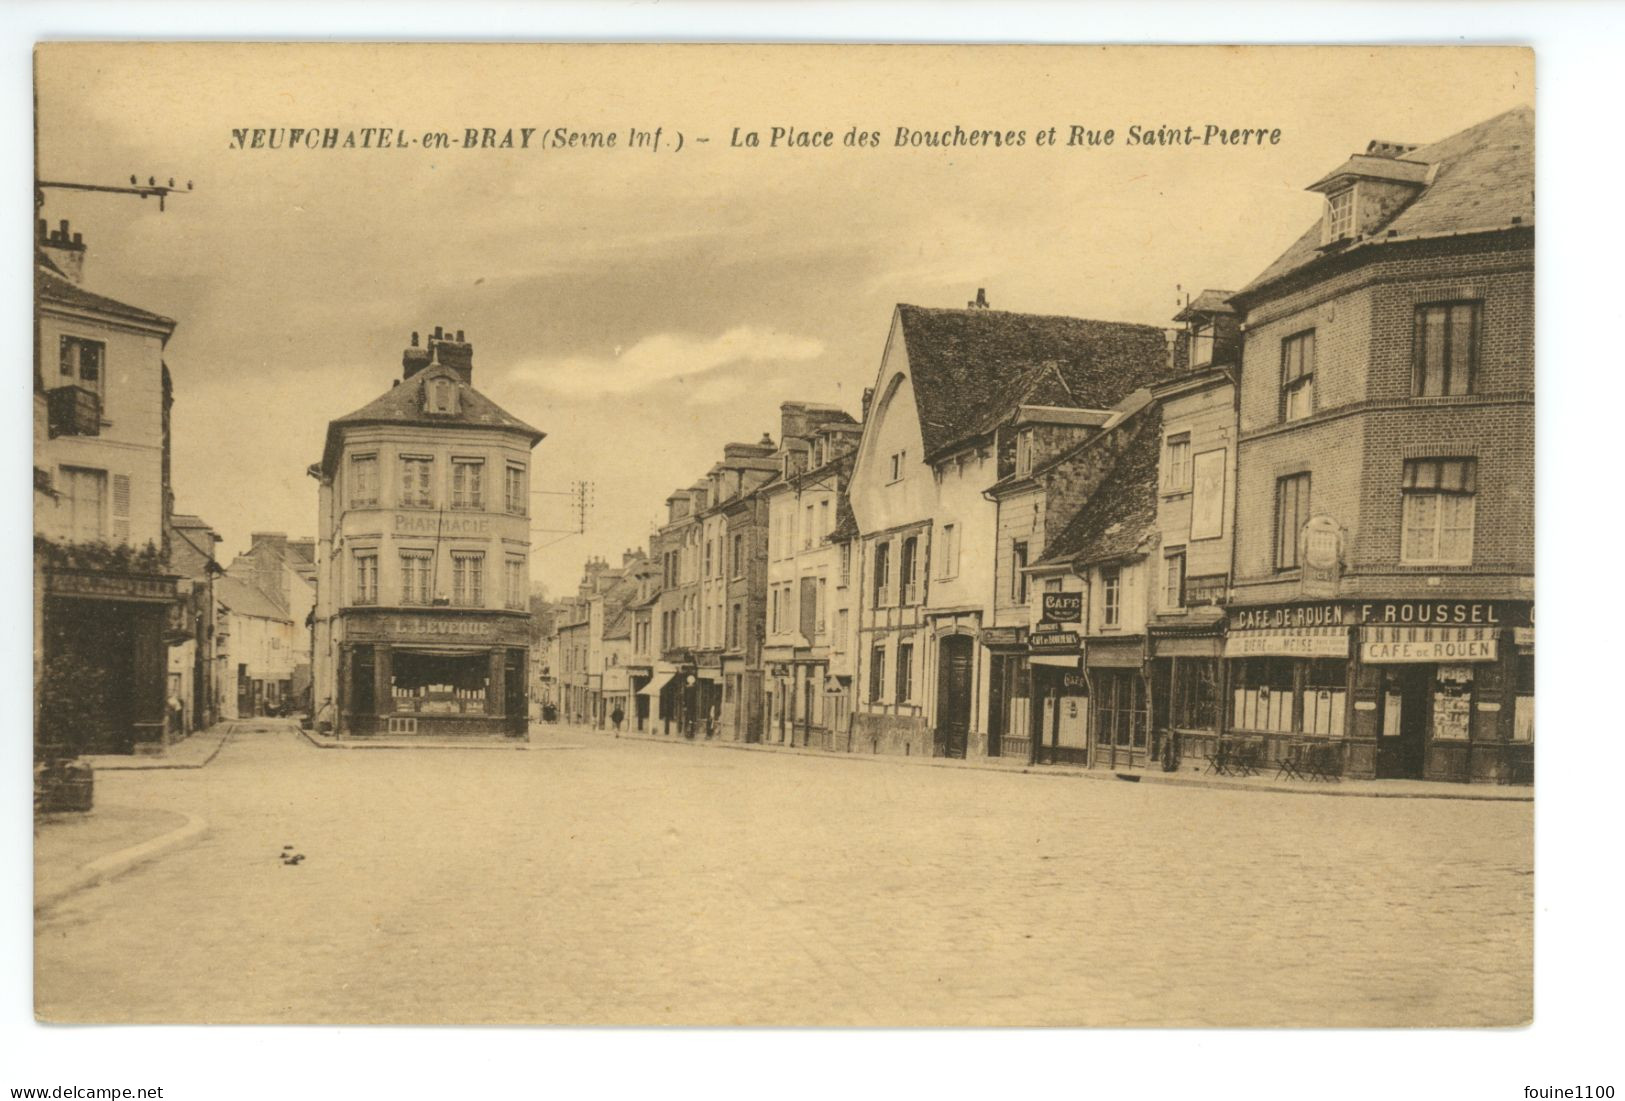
1398, 613
1051, 641
1001, 636
1322, 555
1063, 608
156, 588
439, 524
1207, 495
1303, 642
1392, 645
402, 627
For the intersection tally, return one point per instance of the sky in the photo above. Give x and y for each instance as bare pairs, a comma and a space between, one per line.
644, 308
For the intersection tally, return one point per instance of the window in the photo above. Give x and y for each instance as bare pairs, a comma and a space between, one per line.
467, 483
1298, 376
1176, 464
1263, 695
949, 559
807, 530
366, 577
843, 621
906, 563
774, 618
1201, 345
363, 480
514, 581
739, 556
1024, 451
905, 672
708, 563
846, 564
1173, 579
82, 362
735, 618
1052, 584
1291, 513
897, 466
121, 508
1446, 344
1340, 215
442, 396
877, 673
824, 524
1018, 575
85, 493
415, 584
514, 489
1111, 600
1196, 698
417, 476
882, 572
1325, 690
820, 609
1437, 519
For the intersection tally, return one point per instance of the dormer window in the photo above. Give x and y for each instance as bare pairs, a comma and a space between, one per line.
1201, 345
442, 396
1024, 451
1340, 214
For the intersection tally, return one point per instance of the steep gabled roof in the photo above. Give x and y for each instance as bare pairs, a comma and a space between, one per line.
244, 599
54, 288
971, 367
1116, 518
1484, 179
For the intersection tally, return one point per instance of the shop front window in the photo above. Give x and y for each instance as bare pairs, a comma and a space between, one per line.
429, 684
1196, 695
1523, 715
1263, 695
1325, 692
1453, 703
1120, 695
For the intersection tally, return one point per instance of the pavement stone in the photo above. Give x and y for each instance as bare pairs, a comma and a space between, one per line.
635, 883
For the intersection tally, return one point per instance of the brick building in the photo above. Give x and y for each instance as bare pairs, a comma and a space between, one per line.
1383, 580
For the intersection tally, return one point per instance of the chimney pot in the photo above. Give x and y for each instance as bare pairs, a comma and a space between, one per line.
459, 336
437, 333
79, 238
64, 227
414, 339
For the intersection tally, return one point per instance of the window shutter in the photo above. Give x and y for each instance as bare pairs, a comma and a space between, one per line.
121, 508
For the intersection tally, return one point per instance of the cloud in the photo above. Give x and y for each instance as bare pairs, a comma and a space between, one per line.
665, 358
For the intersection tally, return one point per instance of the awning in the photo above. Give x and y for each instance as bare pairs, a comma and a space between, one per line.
1122, 653
1386, 645
654, 686
1059, 661
1183, 646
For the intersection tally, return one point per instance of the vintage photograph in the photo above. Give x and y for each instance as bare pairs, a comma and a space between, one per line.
784, 535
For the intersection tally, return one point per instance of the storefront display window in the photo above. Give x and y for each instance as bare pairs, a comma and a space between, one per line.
1325, 692
1453, 703
1196, 696
1120, 694
1523, 715
1263, 695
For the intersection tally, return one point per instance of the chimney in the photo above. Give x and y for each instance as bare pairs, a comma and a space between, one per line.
868, 397
270, 550
440, 347
981, 300
65, 249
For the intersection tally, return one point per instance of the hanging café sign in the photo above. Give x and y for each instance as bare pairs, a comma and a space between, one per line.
1390, 630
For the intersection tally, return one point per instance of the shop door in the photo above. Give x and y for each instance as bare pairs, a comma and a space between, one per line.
807, 708
514, 707
1401, 744
954, 693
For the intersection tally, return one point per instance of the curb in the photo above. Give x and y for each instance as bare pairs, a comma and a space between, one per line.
213, 753
117, 863
1332, 790
519, 747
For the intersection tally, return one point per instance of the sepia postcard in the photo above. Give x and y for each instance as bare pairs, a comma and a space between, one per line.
784, 535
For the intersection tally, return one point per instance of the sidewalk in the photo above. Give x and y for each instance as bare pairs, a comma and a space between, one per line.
73, 851
194, 752
328, 741
1192, 775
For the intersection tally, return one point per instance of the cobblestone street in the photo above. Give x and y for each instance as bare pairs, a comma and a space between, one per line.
630, 882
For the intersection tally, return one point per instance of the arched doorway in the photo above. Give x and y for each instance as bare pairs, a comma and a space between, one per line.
956, 672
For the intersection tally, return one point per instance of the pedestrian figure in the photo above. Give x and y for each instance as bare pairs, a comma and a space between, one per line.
616, 716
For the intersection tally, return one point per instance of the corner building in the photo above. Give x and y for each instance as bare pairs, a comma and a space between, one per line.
1382, 599
422, 615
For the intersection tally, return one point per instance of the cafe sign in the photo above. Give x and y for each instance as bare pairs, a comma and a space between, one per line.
1295, 642
1063, 608
1055, 641
1390, 645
